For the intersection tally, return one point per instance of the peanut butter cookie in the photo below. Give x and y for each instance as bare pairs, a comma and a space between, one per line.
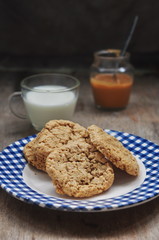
78, 169
113, 150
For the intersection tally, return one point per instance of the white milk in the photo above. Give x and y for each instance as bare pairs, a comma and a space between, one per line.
45, 106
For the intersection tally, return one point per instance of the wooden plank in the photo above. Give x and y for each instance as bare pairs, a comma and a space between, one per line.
21, 221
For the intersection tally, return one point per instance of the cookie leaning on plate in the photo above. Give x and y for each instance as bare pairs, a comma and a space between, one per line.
113, 150
56, 133
79, 170
30, 156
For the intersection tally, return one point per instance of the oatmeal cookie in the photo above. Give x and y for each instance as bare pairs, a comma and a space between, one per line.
56, 133
79, 170
113, 150
30, 156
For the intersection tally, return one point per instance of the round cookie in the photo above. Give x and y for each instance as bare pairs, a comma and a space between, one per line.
113, 150
57, 133
29, 153
79, 170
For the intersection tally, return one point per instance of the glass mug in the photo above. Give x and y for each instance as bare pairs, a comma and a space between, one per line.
46, 97
111, 79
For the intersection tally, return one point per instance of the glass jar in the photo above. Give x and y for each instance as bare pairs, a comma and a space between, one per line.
111, 79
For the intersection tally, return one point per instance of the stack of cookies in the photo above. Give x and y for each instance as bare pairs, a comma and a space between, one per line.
78, 160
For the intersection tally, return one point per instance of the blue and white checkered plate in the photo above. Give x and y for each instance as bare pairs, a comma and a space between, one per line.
32, 186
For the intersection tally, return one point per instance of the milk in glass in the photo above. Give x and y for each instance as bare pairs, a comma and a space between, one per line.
43, 104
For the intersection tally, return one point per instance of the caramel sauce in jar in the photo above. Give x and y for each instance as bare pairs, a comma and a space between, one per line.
111, 79
111, 91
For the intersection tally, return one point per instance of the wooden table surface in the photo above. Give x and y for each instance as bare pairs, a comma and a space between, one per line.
22, 221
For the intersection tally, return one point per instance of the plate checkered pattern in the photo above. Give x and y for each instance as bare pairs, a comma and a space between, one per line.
12, 164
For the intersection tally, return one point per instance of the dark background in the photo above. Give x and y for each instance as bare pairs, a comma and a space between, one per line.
66, 31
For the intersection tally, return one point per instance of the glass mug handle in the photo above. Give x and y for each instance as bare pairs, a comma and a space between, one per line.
14, 99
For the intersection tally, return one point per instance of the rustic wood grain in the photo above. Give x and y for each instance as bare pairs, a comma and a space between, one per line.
21, 221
